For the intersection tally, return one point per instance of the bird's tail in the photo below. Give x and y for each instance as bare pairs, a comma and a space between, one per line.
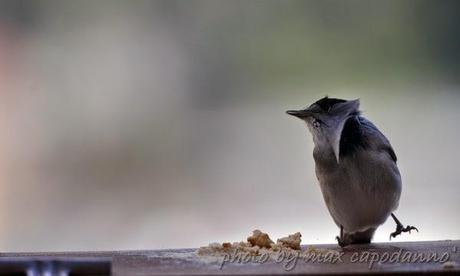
359, 237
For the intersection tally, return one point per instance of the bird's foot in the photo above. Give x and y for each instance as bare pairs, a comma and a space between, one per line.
400, 228
340, 241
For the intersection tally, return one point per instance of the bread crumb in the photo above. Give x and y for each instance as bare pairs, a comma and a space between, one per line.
211, 249
258, 243
291, 241
260, 239
449, 265
311, 249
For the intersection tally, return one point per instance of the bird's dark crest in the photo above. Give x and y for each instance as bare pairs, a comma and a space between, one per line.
327, 103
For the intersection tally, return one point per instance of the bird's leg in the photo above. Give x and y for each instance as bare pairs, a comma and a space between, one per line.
340, 239
400, 227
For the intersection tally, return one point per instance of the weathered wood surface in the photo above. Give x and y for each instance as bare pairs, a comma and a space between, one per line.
185, 261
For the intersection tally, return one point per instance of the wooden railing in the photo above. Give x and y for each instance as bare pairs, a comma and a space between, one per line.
432, 257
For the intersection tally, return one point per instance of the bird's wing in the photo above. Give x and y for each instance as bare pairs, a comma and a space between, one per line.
375, 139
360, 133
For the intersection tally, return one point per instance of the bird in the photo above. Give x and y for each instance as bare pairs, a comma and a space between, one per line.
356, 167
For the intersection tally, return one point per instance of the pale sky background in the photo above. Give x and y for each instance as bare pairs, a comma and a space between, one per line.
161, 124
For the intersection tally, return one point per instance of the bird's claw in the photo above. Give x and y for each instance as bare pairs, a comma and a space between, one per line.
409, 228
340, 241
400, 229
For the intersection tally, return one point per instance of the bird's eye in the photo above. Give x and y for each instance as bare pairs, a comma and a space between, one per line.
316, 123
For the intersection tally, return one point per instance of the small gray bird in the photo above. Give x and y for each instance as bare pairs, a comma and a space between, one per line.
356, 168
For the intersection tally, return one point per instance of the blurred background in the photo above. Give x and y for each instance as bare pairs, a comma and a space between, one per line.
161, 124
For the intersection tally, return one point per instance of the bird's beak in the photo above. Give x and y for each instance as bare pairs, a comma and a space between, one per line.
302, 114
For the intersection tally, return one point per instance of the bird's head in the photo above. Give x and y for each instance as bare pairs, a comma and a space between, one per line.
325, 119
